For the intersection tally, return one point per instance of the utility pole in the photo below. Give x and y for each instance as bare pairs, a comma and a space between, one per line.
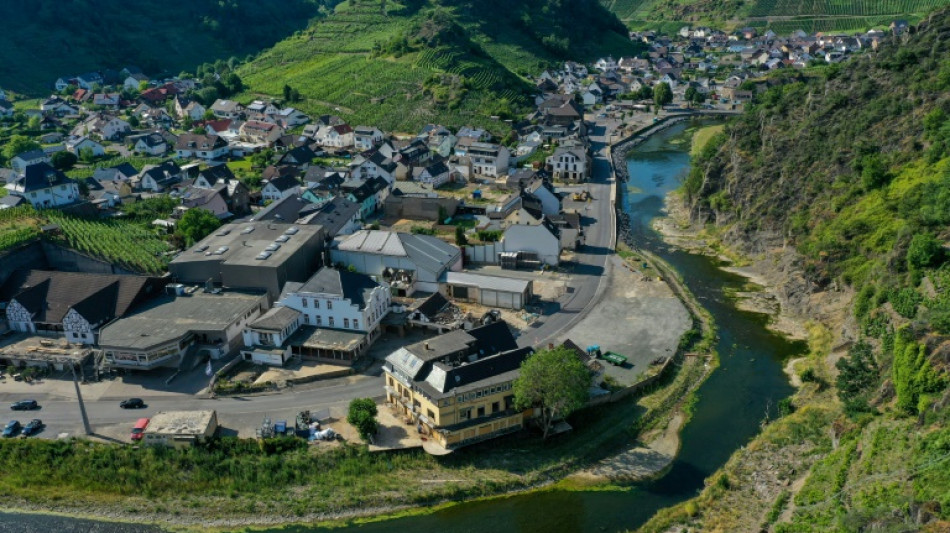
82, 406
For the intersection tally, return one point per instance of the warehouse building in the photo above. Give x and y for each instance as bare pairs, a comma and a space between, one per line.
253, 255
491, 291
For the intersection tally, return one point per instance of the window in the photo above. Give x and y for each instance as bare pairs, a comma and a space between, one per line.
465, 414
495, 407
316, 304
481, 411
346, 323
329, 304
356, 324
306, 319
319, 320
430, 414
331, 321
305, 304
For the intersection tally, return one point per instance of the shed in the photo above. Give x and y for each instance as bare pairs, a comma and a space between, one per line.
181, 429
491, 291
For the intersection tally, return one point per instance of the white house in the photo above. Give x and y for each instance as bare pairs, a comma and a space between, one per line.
436, 174
289, 117
339, 136
44, 186
340, 299
606, 64
366, 138
208, 147
78, 144
193, 109
377, 166
569, 163
151, 144
133, 81
25, 159
489, 159
280, 187
226, 109
105, 126
265, 339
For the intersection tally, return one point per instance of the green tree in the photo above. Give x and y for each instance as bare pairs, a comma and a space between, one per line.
915, 379
362, 416
86, 155
662, 94
196, 224
63, 160
924, 251
690, 95
33, 123
134, 121
460, 238
556, 381
856, 374
19, 144
645, 93
143, 86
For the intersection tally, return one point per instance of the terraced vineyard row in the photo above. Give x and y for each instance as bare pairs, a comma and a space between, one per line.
849, 8
121, 243
626, 9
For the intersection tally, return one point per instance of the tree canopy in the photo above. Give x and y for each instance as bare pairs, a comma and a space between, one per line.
556, 381
662, 94
19, 144
362, 416
196, 224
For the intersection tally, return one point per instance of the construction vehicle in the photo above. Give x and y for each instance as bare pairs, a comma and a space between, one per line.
581, 196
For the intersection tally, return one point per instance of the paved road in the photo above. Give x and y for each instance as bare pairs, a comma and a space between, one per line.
61, 414
591, 258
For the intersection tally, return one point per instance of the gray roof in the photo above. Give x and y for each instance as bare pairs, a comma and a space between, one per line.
352, 286
31, 155
243, 243
171, 318
427, 252
276, 319
488, 282
334, 215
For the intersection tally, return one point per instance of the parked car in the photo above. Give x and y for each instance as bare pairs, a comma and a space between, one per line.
138, 431
25, 405
12, 429
132, 403
33, 427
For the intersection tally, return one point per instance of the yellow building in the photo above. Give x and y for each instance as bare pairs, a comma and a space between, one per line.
457, 387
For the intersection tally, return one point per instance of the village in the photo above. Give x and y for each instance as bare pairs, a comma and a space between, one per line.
344, 262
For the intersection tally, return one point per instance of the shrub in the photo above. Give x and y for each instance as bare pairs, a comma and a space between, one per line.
362, 416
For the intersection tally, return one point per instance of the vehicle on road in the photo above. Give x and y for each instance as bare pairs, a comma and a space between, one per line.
25, 405
33, 427
132, 403
12, 429
138, 431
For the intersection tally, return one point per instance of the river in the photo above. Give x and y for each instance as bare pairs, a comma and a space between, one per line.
733, 402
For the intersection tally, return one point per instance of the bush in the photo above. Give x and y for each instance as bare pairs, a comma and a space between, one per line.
362, 416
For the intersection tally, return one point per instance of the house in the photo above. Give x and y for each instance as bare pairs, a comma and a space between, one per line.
227, 109
488, 159
561, 110
338, 136
569, 230
289, 117
265, 339
44, 186
208, 147
458, 387
257, 131
151, 144
542, 191
300, 156
280, 187
89, 80
418, 201
10, 201
22, 160
109, 100
180, 429
104, 126
55, 105
369, 195
366, 138
159, 178
107, 194
72, 303
212, 200
435, 174
606, 64
189, 108
260, 110
123, 172
407, 262
210, 176
535, 239
77, 144
338, 216
134, 81
490, 291
253, 255
339, 299
570, 163
377, 166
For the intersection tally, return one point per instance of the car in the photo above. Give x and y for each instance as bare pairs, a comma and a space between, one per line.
25, 405
132, 403
12, 429
138, 431
33, 427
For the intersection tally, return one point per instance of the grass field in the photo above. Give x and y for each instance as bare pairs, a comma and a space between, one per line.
702, 136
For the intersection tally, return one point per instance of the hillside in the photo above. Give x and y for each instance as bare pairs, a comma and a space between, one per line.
838, 182
45, 39
401, 65
782, 16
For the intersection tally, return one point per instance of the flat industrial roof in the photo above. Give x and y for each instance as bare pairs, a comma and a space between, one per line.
169, 318
242, 243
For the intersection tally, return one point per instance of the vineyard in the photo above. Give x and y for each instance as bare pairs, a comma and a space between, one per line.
842, 8
128, 245
337, 65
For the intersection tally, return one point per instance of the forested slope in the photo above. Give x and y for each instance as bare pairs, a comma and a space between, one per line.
850, 167
45, 39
